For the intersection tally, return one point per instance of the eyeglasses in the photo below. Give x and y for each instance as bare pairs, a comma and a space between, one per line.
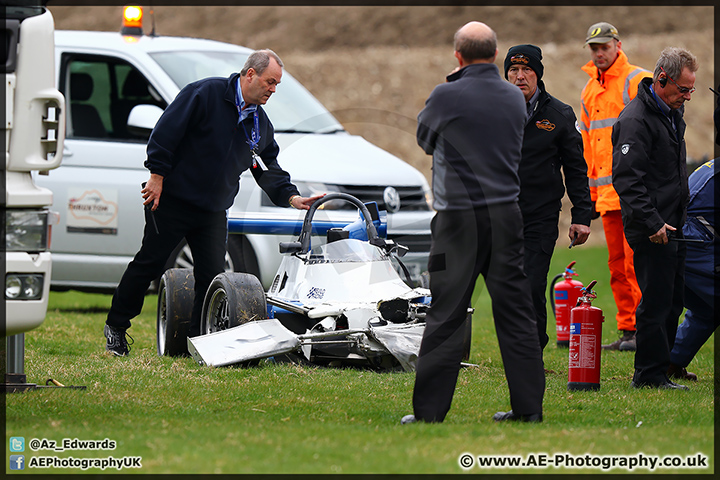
682, 90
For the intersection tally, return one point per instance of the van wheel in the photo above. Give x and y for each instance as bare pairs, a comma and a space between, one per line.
240, 256
176, 295
232, 299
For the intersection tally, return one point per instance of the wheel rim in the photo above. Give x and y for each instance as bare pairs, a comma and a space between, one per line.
162, 325
218, 312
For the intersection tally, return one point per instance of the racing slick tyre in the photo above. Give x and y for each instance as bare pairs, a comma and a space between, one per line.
176, 294
232, 299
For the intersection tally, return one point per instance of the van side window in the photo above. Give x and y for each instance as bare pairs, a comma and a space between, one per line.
100, 92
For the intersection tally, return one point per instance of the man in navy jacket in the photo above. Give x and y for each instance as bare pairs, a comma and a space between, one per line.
702, 267
213, 131
473, 126
702, 273
552, 149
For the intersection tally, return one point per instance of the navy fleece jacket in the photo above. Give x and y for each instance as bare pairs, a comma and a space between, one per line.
200, 149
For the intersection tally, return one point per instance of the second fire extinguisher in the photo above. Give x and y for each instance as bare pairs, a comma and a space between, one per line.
563, 298
585, 336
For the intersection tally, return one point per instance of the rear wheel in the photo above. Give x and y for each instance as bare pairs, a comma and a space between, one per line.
176, 294
232, 299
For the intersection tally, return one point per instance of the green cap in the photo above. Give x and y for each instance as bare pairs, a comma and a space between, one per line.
601, 32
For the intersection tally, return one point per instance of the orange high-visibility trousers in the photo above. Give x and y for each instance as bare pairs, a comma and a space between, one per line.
622, 271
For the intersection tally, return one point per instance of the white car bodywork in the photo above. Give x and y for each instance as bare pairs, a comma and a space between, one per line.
339, 302
346, 286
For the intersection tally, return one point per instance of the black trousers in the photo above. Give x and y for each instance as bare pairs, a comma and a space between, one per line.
540, 237
465, 244
660, 271
206, 234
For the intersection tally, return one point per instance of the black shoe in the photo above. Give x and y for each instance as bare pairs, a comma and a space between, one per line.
505, 416
666, 385
117, 344
408, 419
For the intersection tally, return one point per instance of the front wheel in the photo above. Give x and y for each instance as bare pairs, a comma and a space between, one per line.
176, 294
232, 299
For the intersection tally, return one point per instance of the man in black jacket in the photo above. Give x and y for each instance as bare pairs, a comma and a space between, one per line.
650, 176
213, 131
551, 143
473, 125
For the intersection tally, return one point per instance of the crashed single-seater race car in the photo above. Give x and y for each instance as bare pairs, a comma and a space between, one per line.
340, 303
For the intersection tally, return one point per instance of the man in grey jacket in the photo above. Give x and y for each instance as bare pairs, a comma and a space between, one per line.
473, 127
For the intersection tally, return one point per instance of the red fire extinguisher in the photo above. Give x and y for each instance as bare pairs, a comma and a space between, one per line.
563, 298
585, 336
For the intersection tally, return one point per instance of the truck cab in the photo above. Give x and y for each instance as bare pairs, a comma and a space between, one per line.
33, 133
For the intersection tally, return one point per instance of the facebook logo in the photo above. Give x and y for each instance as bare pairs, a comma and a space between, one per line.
17, 444
17, 462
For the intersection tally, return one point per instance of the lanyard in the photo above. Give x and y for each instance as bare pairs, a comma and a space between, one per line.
254, 138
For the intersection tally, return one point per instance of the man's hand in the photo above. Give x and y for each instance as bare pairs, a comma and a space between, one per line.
152, 190
304, 203
660, 236
582, 232
595, 213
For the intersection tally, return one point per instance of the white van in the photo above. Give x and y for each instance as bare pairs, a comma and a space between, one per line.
116, 87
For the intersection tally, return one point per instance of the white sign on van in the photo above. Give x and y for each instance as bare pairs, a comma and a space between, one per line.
92, 211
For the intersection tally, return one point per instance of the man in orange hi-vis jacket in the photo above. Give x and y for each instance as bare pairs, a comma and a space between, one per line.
613, 83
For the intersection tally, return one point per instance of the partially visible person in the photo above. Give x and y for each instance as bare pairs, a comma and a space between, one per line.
473, 127
650, 177
612, 85
214, 130
702, 268
552, 158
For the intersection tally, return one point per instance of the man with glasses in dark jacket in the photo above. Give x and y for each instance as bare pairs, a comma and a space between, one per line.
650, 177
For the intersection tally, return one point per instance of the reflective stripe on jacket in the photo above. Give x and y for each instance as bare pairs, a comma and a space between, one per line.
603, 98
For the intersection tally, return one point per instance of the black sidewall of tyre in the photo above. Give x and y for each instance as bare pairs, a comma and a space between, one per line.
177, 290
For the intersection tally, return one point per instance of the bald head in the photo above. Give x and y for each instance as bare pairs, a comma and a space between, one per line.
475, 42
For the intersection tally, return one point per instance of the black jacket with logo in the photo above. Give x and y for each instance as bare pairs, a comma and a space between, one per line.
552, 143
649, 169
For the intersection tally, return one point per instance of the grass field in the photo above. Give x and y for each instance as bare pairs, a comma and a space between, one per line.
279, 418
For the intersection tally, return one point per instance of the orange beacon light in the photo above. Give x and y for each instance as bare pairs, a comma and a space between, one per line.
132, 20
